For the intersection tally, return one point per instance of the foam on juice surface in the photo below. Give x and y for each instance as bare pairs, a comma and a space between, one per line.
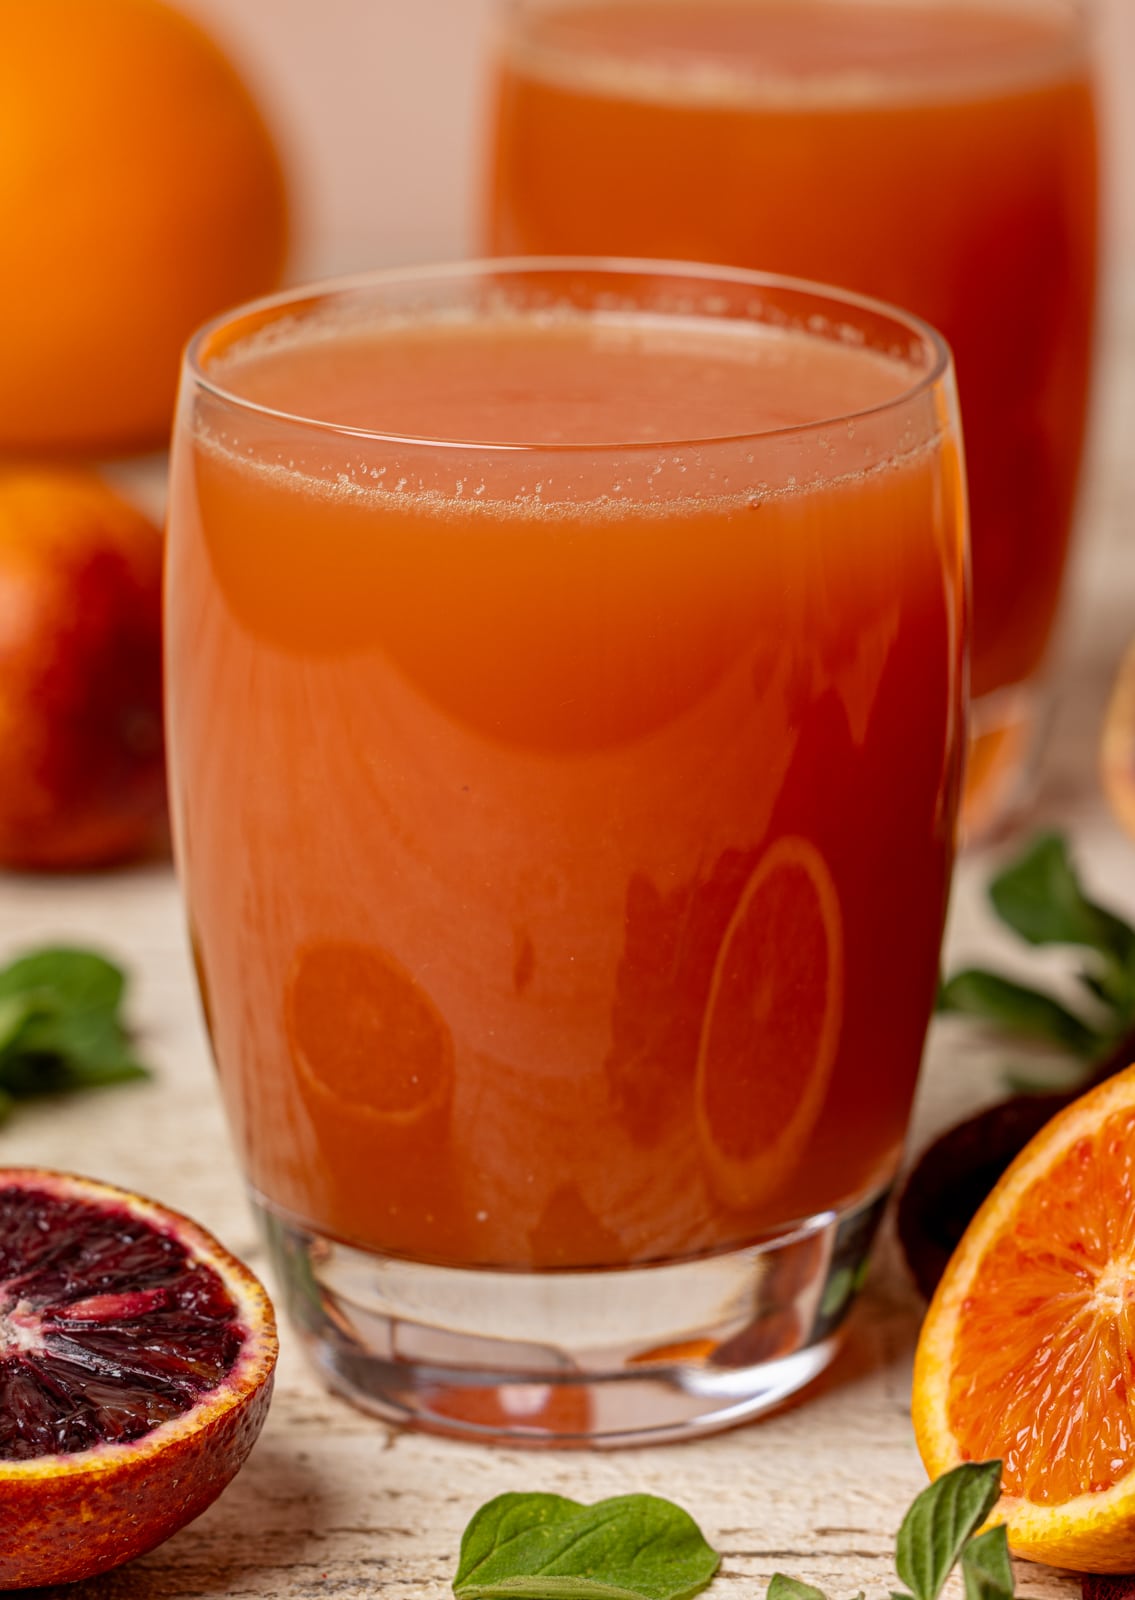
561, 379
549, 413
799, 52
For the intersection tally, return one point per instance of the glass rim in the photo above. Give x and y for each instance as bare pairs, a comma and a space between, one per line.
1081, 11
939, 365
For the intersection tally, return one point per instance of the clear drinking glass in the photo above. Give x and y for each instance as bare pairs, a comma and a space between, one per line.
938, 153
565, 674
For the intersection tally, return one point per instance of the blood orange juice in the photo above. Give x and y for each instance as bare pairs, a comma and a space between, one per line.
564, 674
939, 153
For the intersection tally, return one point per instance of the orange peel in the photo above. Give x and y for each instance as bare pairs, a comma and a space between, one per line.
1028, 1348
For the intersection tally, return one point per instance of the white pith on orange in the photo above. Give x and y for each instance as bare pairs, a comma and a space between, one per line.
1027, 1353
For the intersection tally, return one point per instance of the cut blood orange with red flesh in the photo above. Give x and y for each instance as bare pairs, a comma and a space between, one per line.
1027, 1353
136, 1361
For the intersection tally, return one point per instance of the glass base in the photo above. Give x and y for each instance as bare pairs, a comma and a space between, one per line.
624, 1356
1006, 736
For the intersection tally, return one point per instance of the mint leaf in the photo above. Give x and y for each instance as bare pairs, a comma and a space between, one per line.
782, 1588
1039, 896
70, 979
940, 1522
15, 1009
546, 1547
60, 1027
986, 1567
1018, 1009
87, 1043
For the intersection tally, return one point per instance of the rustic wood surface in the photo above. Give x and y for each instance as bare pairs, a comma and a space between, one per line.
332, 1503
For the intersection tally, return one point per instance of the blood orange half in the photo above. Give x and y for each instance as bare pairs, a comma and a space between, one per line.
772, 1022
1027, 1353
136, 1361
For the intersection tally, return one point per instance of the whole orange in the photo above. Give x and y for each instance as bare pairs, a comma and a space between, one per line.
140, 192
82, 778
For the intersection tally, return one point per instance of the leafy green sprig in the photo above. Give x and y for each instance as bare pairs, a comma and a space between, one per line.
546, 1547
641, 1547
61, 1027
1040, 898
939, 1531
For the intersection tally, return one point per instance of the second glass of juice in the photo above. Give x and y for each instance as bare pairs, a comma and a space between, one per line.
565, 672
938, 153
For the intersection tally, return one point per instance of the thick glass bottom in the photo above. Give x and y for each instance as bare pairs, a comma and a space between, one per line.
1006, 736
623, 1356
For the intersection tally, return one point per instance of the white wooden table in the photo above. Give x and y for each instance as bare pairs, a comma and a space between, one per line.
331, 1502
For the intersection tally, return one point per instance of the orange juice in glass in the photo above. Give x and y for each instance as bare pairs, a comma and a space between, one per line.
938, 153
565, 673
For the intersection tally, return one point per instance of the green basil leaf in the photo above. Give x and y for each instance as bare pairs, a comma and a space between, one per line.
1039, 896
782, 1588
123, 1068
1019, 1009
87, 1042
938, 1524
1117, 937
546, 1547
26, 1075
15, 1009
986, 1567
72, 980
1113, 986
59, 1025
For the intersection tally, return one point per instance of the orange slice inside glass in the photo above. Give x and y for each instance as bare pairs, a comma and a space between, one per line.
771, 1028
366, 1035
1027, 1353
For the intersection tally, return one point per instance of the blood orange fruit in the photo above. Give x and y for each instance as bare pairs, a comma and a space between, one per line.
1027, 1353
136, 1361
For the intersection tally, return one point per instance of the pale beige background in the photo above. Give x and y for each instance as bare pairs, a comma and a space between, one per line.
380, 104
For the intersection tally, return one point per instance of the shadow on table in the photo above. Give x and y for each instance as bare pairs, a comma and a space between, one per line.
270, 1518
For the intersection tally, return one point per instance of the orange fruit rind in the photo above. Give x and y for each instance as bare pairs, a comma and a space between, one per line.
142, 192
1028, 1346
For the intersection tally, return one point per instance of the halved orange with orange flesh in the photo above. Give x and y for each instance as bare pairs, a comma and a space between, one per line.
1117, 750
772, 1022
1027, 1353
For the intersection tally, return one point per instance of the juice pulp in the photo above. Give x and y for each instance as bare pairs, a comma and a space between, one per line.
940, 156
565, 832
